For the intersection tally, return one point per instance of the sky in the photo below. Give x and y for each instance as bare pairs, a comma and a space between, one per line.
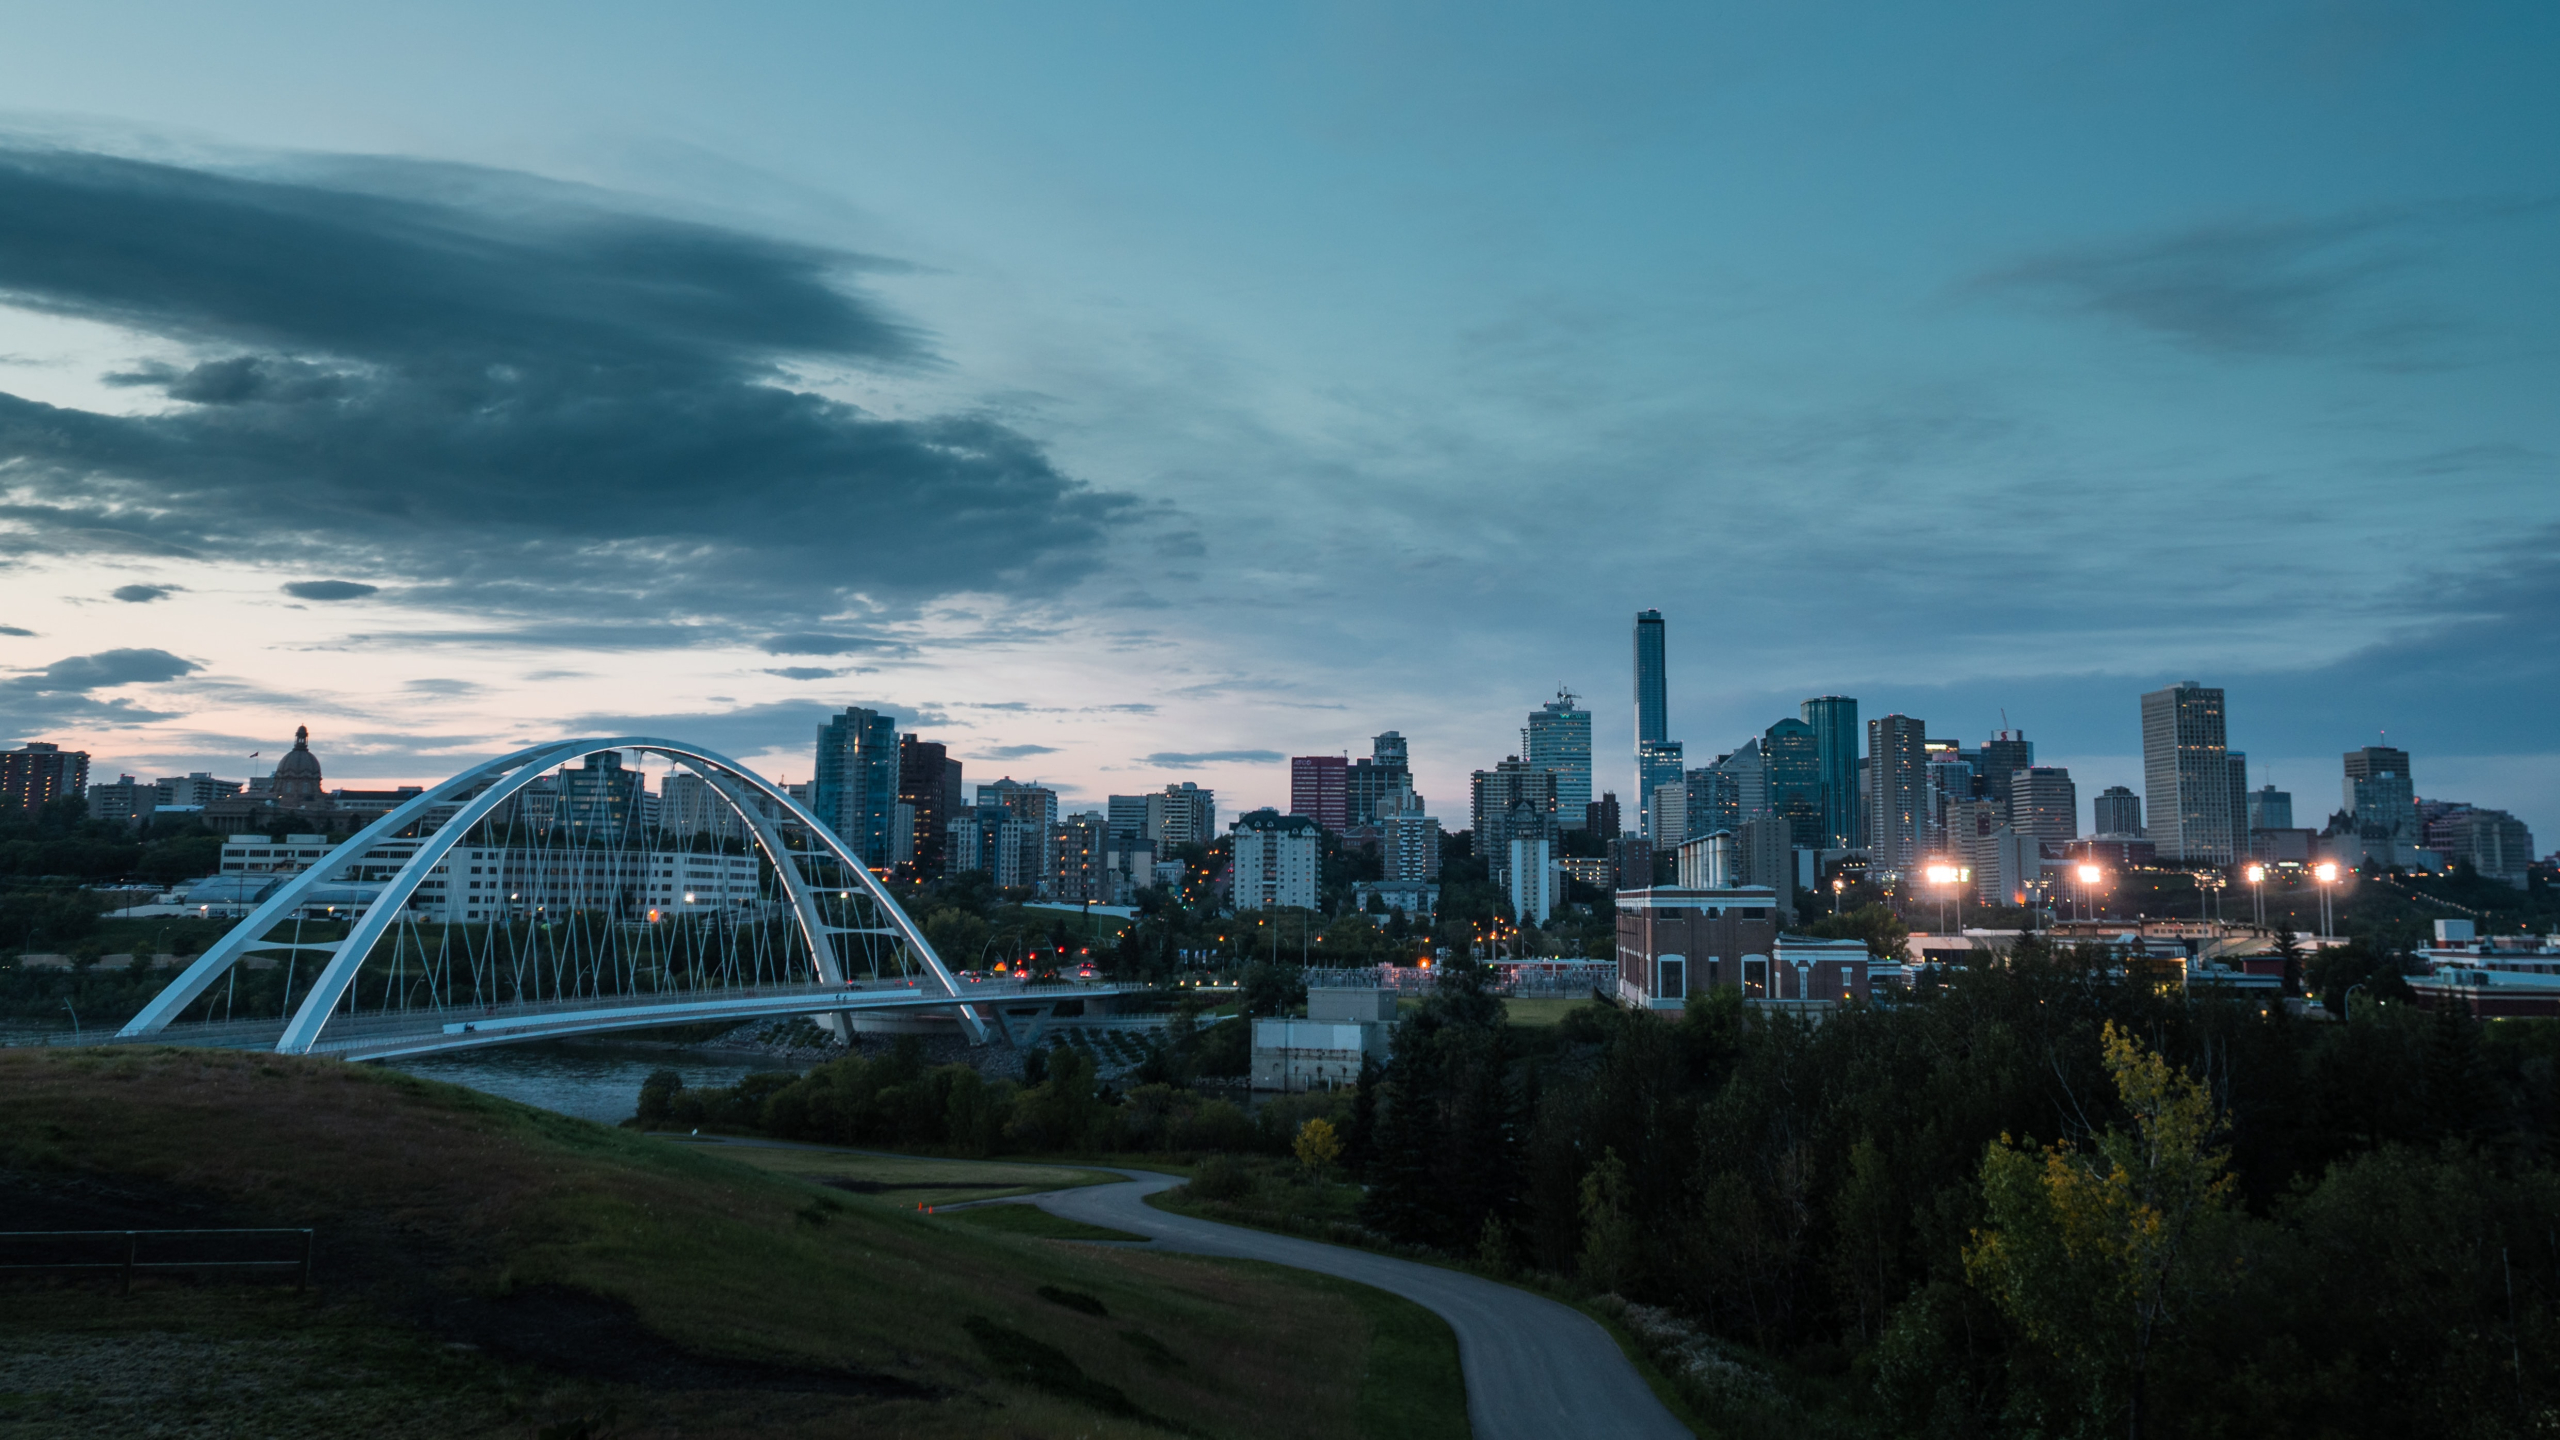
1129, 394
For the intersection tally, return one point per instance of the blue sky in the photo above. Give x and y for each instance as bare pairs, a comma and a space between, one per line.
1104, 386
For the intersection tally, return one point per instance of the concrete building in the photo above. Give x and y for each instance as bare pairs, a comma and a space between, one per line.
1558, 739
1712, 801
2002, 756
1079, 860
2186, 774
1030, 804
1275, 861
1130, 863
124, 800
1344, 1026
1182, 814
1669, 817
688, 804
2117, 812
1658, 763
1126, 816
1898, 818
856, 778
1600, 817
1748, 769
1319, 788
1413, 897
2270, 808
1530, 878
2239, 763
2044, 803
38, 773
1761, 855
1511, 799
1836, 742
2492, 842
1372, 782
1630, 863
488, 883
1408, 841
2381, 795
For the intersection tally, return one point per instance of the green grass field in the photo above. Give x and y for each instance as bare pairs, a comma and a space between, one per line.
1032, 1220
904, 1181
1541, 1012
489, 1269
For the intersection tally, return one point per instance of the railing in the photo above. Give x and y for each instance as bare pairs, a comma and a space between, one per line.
124, 1249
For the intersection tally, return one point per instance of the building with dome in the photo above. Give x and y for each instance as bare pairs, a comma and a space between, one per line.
289, 799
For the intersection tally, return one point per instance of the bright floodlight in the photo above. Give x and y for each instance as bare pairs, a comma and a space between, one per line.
2324, 872
1942, 874
2091, 874
2257, 873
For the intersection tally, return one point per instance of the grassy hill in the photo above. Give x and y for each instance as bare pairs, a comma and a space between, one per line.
486, 1268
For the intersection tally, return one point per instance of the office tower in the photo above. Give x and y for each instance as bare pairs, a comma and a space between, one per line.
1836, 742
1530, 879
1791, 755
1748, 769
2492, 842
1669, 814
1600, 817
1274, 860
929, 786
2186, 774
1713, 801
2003, 755
1653, 712
38, 773
2044, 803
1408, 840
1373, 780
599, 801
2270, 808
2380, 793
688, 804
1079, 860
1657, 765
1897, 791
1558, 738
1950, 779
2118, 811
1182, 814
857, 782
1035, 805
1125, 816
1319, 788
1514, 797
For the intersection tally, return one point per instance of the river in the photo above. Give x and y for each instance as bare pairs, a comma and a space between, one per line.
595, 1080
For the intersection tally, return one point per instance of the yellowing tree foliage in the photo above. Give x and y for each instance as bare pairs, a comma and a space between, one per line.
1318, 1146
2093, 1253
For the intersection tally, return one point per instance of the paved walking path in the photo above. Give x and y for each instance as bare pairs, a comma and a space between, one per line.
1535, 1368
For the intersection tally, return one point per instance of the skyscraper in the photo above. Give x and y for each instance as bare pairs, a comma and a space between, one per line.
1373, 782
1653, 712
1657, 764
2186, 774
2380, 793
1319, 788
857, 782
1558, 738
2118, 811
1791, 755
1513, 798
1836, 741
2004, 755
38, 772
1897, 791
2044, 803
2270, 808
929, 786
2239, 763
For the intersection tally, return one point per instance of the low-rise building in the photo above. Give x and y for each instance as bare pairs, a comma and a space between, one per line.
1344, 1025
1677, 941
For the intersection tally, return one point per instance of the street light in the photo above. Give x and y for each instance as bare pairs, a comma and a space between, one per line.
1949, 877
2257, 877
2326, 872
2090, 875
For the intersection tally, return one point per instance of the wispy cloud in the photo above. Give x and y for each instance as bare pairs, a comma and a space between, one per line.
1195, 759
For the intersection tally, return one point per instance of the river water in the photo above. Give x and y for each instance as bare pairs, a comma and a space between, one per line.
593, 1080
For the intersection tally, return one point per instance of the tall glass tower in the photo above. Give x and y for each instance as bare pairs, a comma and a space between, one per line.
1653, 720
1558, 738
1836, 743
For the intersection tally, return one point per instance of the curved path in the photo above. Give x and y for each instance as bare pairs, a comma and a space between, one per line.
1534, 1368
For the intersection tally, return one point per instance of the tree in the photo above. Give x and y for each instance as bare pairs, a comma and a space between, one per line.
1877, 925
2096, 1254
1317, 1145
2289, 950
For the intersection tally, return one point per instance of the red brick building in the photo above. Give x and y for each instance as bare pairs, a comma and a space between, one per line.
1674, 942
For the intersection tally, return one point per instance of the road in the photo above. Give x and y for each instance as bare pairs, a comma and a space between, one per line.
1535, 1369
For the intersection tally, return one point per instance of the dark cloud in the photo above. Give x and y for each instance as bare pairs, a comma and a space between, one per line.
14, 630
1015, 752
59, 694
505, 387
434, 686
789, 726
820, 644
1194, 759
143, 594
330, 590
810, 672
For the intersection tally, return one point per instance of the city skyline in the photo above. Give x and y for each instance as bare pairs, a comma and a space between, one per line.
1107, 450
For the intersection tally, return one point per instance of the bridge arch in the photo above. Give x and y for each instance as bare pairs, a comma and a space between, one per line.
767, 815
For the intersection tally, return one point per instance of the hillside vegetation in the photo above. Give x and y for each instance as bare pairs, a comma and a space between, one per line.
486, 1268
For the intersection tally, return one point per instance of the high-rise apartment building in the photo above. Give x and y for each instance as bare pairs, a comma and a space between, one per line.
1558, 738
1125, 816
2270, 808
1371, 781
2117, 812
1600, 817
1035, 805
857, 783
1513, 798
1530, 879
1079, 860
1182, 814
2044, 803
2002, 756
599, 801
1319, 788
1836, 742
1898, 819
38, 773
2380, 793
1657, 764
1274, 860
2186, 774
929, 790
1408, 840
1791, 759
1670, 816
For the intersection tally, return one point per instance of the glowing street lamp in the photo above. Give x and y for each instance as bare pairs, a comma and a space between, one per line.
2326, 872
1948, 877
2090, 875
2257, 877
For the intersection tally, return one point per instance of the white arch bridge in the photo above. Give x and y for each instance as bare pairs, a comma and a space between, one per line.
525, 899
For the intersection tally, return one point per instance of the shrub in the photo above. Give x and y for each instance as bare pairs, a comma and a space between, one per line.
1221, 1177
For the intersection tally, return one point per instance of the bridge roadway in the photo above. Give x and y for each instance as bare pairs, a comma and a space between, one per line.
436, 1031
1535, 1369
